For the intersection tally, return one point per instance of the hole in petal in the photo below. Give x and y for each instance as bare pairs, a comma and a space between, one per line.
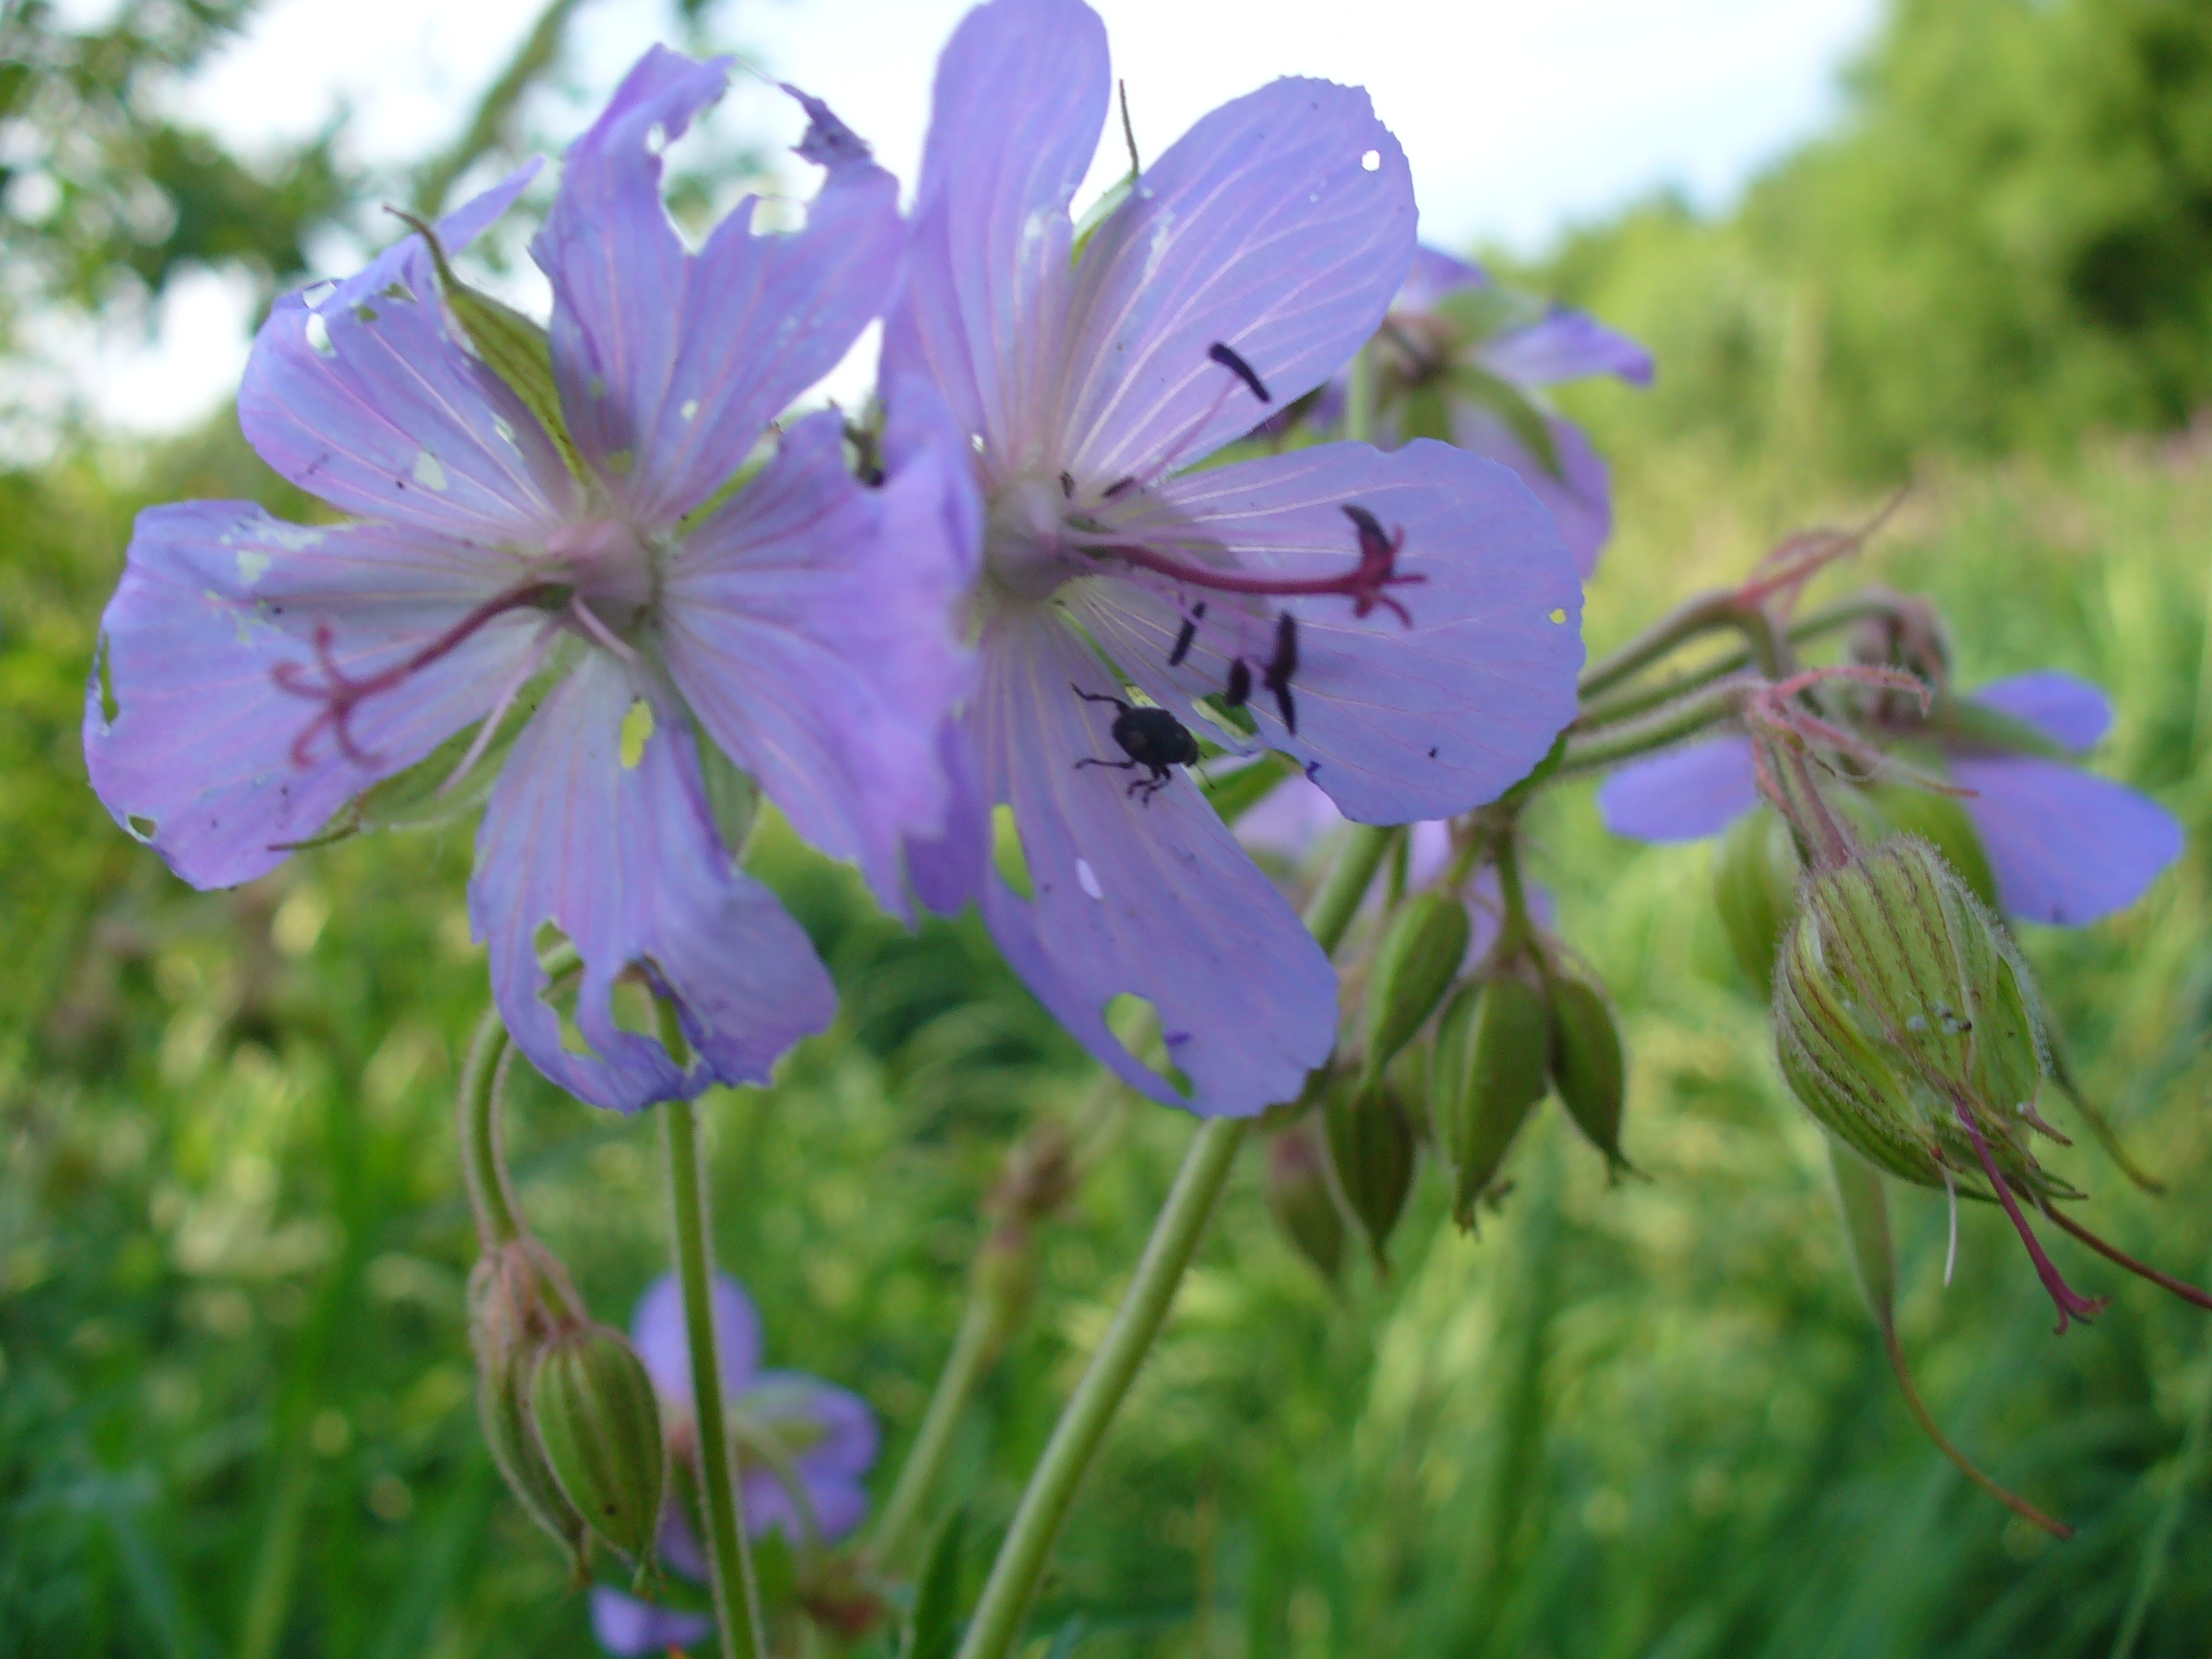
559, 992
319, 334
141, 826
1007, 853
637, 732
1559, 615
1136, 1026
631, 1004
1371, 161
314, 296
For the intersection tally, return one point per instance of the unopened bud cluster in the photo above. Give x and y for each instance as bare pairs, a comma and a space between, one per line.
1519, 1027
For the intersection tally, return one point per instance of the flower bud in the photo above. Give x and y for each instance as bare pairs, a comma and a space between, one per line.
1371, 1151
1296, 1186
507, 1324
1755, 883
1415, 964
1493, 1049
592, 1406
1587, 1067
1900, 1011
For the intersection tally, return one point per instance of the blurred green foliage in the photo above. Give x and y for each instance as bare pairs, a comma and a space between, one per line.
1647, 1419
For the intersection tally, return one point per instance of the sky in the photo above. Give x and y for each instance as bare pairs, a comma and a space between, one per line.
1519, 119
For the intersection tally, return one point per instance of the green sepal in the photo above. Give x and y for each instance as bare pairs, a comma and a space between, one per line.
514, 347
1490, 1069
1415, 964
1371, 1150
599, 1425
1588, 1067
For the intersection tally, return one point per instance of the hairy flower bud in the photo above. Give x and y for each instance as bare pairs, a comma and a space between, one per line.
1755, 872
1493, 1052
1371, 1150
1897, 1002
1415, 964
1587, 1066
507, 1324
592, 1406
1296, 1187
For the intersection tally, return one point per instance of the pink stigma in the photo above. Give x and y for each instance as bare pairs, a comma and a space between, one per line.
2072, 1304
340, 694
1363, 584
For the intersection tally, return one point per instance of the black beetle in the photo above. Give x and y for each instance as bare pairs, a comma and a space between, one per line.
1151, 737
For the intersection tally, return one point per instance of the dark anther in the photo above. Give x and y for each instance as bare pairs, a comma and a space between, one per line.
1068, 485
1276, 677
1243, 371
1239, 691
1151, 737
1117, 486
1182, 638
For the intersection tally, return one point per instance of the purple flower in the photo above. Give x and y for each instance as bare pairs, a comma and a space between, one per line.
258, 676
1407, 625
2066, 847
1470, 358
827, 1438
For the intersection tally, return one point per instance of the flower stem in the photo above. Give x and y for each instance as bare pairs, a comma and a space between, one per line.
736, 1599
1082, 1423
1175, 1232
1670, 725
1705, 614
975, 1344
497, 1221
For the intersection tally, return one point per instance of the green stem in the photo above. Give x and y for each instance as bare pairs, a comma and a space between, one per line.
2188, 1469
981, 1330
736, 1599
1143, 1310
1082, 1423
498, 1221
1811, 626
1670, 725
1706, 614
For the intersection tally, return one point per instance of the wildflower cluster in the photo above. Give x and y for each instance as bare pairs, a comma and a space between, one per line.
1182, 544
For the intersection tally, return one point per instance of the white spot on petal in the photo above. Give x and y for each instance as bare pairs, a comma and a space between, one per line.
1371, 161
427, 471
252, 562
689, 409
293, 538
1088, 879
655, 139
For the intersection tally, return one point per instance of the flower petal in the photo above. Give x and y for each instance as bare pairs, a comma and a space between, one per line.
1263, 229
1579, 497
829, 1470
631, 1629
810, 624
216, 596
671, 365
369, 399
1395, 723
1434, 275
1153, 900
1685, 794
2071, 713
1020, 100
663, 1340
610, 840
1565, 346
2067, 847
